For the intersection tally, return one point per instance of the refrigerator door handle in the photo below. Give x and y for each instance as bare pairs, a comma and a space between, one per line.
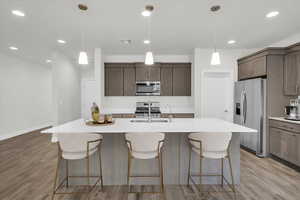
242, 108
245, 108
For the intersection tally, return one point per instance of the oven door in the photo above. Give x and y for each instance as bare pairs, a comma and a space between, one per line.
147, 88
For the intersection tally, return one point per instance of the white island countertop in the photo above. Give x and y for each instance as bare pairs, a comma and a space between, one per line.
178, 125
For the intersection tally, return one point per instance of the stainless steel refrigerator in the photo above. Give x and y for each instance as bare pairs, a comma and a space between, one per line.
250, 111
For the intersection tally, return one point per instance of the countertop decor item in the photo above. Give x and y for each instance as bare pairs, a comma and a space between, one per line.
95, 112
94, 123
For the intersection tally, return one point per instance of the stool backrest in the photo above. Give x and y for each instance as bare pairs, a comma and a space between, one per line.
77, 142
145, 142
211, 141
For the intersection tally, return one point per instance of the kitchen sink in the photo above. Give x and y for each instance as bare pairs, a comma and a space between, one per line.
152, 120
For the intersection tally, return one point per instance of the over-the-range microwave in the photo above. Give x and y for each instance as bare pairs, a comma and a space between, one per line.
147, 88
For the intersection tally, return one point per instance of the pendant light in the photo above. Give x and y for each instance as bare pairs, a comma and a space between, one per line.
215, 57
83, 57
149, 60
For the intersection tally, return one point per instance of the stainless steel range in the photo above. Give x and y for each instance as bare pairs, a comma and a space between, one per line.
149, 109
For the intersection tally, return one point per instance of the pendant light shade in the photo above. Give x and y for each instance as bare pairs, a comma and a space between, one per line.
83, 58
215, 58
149, 58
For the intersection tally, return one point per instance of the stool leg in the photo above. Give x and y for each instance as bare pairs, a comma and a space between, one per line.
161, 174
200, 177
56, 174
67, 172
232, 179
189, 168
222, 168
100, 168
88, 171
128, 169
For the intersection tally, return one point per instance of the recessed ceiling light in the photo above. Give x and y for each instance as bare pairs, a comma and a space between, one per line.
126, 41
272, 14
18, 13
61, 41
231, 42
148, 11
147, 41
13, 48
48, 61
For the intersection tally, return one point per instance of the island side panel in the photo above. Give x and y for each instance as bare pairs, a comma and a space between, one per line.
175, 161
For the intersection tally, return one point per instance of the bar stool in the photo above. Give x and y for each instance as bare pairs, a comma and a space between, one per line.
77, 146
145, 146
211, 146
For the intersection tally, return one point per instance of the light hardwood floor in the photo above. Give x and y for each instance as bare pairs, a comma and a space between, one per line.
27, 166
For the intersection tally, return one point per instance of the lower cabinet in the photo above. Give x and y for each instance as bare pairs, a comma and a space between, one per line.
298, 149
285, 145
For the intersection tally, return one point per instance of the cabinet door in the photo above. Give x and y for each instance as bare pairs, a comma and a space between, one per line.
166, 80
290, 74
129, 80
147, 72
114, 80
182, 80
154, 72
142, 72
298, 149
259, 66
289, 146
275, 142
245, 70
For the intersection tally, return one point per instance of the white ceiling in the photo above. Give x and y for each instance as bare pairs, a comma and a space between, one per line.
178, 26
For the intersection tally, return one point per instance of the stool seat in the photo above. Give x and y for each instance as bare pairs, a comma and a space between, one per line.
144, 155
78, 155
212, 154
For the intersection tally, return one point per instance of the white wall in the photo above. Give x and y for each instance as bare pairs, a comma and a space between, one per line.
201, 63
25, 96
295, 38
66, 89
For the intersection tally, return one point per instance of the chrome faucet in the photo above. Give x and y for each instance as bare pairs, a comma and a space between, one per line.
149, 111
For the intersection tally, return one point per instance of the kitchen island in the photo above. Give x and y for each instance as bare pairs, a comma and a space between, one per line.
175, 155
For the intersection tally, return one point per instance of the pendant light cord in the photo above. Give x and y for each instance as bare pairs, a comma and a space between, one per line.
82, 31
214, 32
149, 32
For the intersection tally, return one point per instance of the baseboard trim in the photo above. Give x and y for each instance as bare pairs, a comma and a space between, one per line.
24, 131
286, 163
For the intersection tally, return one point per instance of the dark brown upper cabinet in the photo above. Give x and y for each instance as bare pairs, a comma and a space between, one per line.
251, 68
291, 70
147, 72
129, 80
120, 78
166, 80
182, 79
114, 80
